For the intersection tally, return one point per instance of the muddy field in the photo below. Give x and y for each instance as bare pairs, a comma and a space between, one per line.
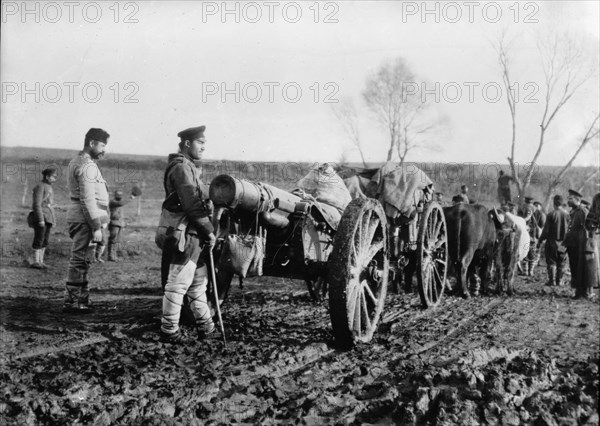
528, 359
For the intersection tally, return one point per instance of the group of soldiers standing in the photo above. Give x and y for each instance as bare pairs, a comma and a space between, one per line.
569, 236
90, 213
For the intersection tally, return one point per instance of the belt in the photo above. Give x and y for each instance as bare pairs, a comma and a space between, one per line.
100, 206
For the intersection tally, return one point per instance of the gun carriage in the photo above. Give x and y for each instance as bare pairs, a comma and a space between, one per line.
355, 252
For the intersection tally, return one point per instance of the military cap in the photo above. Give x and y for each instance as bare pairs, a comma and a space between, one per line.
458, 199
192, 133
97, 135
575, 193
585, 202
528, 199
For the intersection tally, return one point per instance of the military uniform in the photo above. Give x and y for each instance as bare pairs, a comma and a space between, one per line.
591, 255
187, 273
42, 212
87, 213
553, 233
574, 241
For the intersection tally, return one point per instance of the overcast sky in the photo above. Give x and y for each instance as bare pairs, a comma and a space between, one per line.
265, 85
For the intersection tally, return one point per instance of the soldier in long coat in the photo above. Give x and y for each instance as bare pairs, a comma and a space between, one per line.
87, 215
575, 241
591, 256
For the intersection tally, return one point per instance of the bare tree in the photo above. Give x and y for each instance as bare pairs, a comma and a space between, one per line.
345, 112
589, 179
590, 134
566, 66
394, 97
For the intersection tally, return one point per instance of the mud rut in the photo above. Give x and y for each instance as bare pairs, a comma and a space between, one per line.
527, 359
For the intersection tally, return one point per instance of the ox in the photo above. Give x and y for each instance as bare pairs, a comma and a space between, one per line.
478, 239
471, 238
508, 249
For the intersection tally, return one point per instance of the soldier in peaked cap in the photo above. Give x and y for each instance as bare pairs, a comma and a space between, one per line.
193, 133
187, 274
87, 216
575, 242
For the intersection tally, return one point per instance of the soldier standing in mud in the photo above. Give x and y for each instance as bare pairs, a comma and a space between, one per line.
575, 241
554, 233
187, 274
116, 223
86, 216
43, 217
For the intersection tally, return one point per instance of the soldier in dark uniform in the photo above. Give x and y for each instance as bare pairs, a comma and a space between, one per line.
592, 255
540, 215
554, 233
575, 240
187, 274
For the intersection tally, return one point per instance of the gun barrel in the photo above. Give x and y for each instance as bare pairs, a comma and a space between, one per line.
231, 192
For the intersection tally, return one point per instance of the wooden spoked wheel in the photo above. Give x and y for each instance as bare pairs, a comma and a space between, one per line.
432, 255
358, 270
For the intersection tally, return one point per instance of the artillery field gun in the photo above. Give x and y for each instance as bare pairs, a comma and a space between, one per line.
390, 230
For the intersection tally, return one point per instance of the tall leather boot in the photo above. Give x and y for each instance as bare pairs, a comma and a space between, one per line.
551, 275
71, 299
84, 299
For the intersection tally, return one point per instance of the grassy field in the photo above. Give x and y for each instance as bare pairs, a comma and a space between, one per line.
21, 169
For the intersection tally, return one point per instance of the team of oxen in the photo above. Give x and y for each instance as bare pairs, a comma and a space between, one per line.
482, 243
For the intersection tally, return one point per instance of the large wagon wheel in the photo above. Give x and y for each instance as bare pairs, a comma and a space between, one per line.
358, 270
432, 255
